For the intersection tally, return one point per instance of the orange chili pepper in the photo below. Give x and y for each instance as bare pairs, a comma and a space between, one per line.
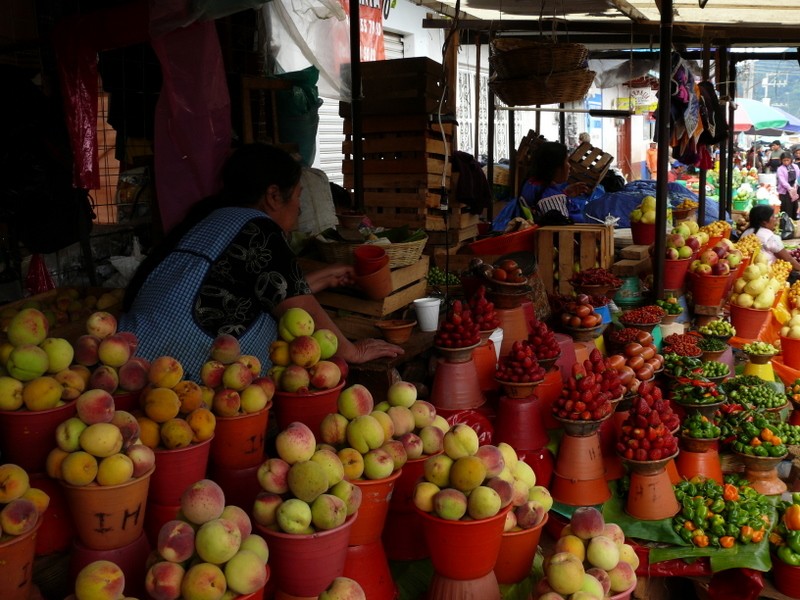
730, 492
755, 442
689, 526
766, 434
791, 517
701, 541
758, 535
727, 541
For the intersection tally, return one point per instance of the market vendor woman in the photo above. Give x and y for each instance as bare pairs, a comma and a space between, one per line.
762, 223
227, 268
546, 188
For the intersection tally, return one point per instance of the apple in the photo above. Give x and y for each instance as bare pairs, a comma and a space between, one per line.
709, 257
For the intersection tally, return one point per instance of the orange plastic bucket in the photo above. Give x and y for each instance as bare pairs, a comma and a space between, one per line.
16, 556
176, 470
375, 497
26, 437
517, 550
748, 321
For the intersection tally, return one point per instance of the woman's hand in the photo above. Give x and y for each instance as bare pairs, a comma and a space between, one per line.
576, 189
331, 276
371, 348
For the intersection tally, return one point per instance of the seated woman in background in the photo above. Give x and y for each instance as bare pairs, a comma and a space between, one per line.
762, 222
546, 188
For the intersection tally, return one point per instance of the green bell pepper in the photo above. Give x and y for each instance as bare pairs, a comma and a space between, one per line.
793, 540
789, 556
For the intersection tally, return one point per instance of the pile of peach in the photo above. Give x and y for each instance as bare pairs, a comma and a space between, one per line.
21, 506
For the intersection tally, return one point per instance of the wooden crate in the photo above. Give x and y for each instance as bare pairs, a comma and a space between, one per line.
589, 165
408, 283
560, 249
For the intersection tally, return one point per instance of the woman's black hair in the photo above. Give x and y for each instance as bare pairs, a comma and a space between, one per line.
786, 155
760, 214
246, 176
548, 159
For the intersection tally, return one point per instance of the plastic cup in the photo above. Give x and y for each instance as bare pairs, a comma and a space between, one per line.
427, 310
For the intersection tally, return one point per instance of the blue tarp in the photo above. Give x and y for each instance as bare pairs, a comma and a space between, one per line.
620, 204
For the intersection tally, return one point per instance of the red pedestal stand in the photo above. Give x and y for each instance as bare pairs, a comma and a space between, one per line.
580, 476
519, 423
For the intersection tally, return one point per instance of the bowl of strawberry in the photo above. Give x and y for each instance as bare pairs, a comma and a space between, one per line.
483, 313
645, 441
596, 282
584, 403
545, 345
518, 371
458, 334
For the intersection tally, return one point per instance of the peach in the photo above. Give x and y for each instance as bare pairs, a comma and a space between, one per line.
350, 493
202, 501
28, 326
129, 427
142, 457
211, 373
602, 577
353, 463
450, 504
295, 322
252, 363
573, 544
550, 596
83, 371
237, 376
114, 470
467, 473
331, 465
79, 468
525, 473
441, 423
265, 508
100, 580
149, 432
519, 492
328, 342
424, 413
238, 517
105, 378
42, 393
294, 378
437, 469
509, 454
328, 511
530, 514
101, 439
307, 480
492, 459
86, 347
333, 429
412, 444
397, 451
68, 434
10, 393
275, 373
541, 494
253, 398
114, 350
602, 552
628, 554
226, 402
295, 443
245, 573
18, 516
564, 573
95, 406
364, 433
101, 324
342, 364
161, 404
39, 498
189, 394
163, 580
590, 586
176, 541
386, 422
226, 349
378, 464
587, 522
344, 588
27, 362
165, 371
52, 465
402, 393
176, 433
272, 475
207, 395
424, 493
59, 354
203, 423
279, 353
256, 544
432, 439
266, 383
325, 375
304, 351
130, 337
622, 577
203, 581
614, 531
72, 385
504, 489
294, 516
483, 502
461, 440
403, 420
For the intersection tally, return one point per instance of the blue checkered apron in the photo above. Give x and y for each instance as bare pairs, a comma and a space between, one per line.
161, 316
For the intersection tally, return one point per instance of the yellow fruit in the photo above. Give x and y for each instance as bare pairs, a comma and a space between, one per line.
161, 404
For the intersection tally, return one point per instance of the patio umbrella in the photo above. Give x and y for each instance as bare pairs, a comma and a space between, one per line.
792, 125
757, 115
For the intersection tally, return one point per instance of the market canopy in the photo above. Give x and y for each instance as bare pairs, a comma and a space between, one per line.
792, 126
752, 114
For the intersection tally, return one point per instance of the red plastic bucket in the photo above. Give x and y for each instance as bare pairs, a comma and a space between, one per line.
26, 437
786, 577
176, 470
748, 321
131, 558
309, 408
675, 273
238, 442
240, 485
517, 550
790, 351
643, 234
463, 549
305, 565
375, 497
16, 556
367, 564
708, 290
58, 531
155, 517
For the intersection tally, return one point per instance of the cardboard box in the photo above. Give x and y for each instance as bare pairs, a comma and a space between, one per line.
635, 252
628, 267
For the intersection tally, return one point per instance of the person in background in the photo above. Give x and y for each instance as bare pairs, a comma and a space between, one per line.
584, 138
228, 269
788, 176
762, 222
546, 188
651, 161
677, 170
797, 156
774, 157
754, 158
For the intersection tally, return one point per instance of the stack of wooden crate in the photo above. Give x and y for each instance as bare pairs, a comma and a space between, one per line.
407, 139
562, 250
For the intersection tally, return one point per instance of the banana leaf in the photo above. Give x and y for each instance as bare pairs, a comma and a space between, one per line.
654, 531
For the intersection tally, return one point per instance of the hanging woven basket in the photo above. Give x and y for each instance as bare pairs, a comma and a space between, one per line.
513, 58
568, 86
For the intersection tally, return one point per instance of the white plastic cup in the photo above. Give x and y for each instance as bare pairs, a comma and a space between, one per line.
427, 310
497, 340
